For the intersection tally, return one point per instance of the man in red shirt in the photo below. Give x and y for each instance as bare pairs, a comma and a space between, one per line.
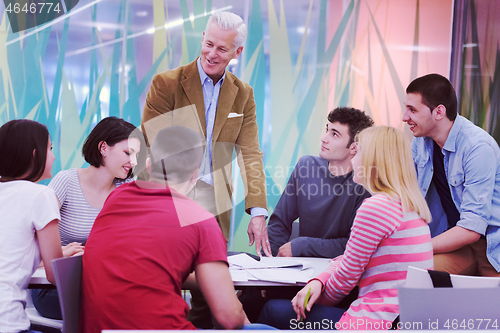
148, 239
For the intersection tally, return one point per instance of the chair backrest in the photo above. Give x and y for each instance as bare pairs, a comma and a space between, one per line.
420, 278
68, 275
473, 302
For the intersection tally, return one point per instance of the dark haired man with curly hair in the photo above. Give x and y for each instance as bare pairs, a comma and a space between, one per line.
321, 193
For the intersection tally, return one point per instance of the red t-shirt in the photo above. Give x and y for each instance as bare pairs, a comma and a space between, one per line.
143, 245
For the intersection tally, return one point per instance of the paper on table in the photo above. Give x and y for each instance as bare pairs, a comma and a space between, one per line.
284, 275
284, 262
242, 261
238, 275
284, 270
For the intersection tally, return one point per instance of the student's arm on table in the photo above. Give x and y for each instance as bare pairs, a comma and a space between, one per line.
314, 247
73, 249
285, 250
217, 287
50, 247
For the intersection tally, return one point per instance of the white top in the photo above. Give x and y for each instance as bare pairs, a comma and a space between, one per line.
24, 208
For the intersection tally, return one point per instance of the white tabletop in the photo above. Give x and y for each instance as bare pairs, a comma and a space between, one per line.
319, 265
39, 277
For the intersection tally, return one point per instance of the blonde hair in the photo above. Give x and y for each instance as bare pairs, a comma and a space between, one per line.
388, 168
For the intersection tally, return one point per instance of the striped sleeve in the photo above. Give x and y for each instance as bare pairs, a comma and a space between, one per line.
329, 271
376, 219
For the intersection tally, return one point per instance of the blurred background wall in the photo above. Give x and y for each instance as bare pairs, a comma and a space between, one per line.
302, 58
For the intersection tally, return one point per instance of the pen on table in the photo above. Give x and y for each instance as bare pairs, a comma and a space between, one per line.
306, 301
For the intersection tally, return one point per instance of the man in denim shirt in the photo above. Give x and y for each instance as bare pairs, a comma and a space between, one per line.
458, 169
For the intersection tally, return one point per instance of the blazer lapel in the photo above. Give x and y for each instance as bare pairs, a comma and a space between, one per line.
227, 96
194, 92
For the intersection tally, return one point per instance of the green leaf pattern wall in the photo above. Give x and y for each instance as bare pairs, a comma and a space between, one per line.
302, 57
479, 96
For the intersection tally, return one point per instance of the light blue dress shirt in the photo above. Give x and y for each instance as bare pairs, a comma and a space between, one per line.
211, 99
472, 166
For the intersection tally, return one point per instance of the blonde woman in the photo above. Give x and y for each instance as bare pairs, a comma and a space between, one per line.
389, 233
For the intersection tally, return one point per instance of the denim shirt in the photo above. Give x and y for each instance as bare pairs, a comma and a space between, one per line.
472, 166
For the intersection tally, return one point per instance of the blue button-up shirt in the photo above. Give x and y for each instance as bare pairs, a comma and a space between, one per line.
472, 166
211, 99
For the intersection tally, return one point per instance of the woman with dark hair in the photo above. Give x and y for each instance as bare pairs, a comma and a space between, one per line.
112, 150
29, 216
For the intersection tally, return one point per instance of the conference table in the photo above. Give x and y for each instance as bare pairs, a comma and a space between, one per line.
39, 280
316, 266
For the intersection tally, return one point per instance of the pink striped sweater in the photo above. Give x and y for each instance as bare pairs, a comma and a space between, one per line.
383, 243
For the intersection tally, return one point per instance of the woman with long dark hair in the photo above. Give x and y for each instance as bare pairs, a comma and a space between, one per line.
29, 216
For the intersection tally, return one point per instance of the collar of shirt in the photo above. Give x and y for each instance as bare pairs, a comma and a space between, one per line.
450, 143
207, 84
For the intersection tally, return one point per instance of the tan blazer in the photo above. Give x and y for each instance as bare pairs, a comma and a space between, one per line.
181, 88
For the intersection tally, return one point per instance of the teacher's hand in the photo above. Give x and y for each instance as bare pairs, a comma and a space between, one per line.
257, 232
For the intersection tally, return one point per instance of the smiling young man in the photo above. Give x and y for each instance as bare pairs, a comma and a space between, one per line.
458, 169
321, 193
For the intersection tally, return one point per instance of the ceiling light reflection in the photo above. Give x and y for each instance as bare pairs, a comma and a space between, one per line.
145, 32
